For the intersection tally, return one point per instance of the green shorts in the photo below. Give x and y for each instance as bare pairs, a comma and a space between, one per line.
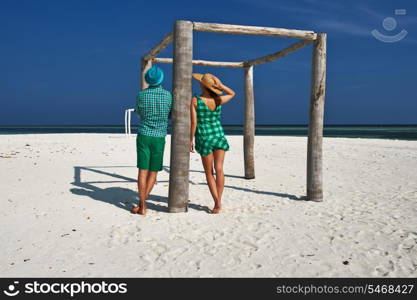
150, 152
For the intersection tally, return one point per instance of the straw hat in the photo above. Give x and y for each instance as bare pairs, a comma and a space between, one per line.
208, 81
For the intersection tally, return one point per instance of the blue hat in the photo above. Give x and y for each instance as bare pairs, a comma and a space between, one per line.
154, 76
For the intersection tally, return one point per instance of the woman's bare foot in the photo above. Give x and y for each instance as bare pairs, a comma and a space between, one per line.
135, 209
216, 210
141, 210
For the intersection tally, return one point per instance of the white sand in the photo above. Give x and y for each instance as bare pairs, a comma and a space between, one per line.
55, 224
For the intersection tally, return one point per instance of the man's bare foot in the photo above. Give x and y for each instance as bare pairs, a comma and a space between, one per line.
216, 210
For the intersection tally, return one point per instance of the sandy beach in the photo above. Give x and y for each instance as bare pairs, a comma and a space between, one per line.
65, 201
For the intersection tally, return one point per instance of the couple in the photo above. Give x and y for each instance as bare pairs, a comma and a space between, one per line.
153, 106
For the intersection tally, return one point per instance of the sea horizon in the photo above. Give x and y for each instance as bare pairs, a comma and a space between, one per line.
379, 131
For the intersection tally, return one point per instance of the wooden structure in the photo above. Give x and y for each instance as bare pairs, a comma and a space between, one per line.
182, 36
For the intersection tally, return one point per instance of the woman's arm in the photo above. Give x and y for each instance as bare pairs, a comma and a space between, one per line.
229, 92
193, 115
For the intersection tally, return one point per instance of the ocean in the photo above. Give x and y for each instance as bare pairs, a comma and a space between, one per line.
400, 132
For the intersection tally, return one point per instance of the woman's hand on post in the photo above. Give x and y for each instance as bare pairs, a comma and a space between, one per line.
192, 146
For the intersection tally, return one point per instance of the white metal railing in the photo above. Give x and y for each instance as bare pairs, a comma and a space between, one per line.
128, 113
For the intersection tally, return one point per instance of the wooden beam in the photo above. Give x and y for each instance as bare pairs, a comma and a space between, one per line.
180, 137
277, 55
315, 126
202, 63
254, 30
161, 46
145, 66
249, 126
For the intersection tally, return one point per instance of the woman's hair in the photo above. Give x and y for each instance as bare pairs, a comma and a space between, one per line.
213, 95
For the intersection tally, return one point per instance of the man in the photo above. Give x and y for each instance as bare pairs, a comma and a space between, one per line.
153, 106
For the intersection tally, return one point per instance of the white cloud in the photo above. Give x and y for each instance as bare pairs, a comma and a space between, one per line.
344, 27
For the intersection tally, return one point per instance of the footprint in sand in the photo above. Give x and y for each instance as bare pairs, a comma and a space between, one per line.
385, 270
123, 235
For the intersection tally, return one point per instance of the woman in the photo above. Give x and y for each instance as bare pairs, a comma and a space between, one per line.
210, 141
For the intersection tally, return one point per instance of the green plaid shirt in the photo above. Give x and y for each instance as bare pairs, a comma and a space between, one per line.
153, 106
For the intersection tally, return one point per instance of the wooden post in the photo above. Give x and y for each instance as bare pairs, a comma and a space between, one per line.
249, 126
180, 137
315, 127
145, 66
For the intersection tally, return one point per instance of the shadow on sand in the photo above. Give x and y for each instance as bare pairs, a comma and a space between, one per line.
124, 198
120, 197
282, 195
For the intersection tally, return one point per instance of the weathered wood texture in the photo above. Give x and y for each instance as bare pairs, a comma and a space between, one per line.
277, 55
315, 128
145, 66
180, 138
203, 63
161, 46
254, 30
249, 126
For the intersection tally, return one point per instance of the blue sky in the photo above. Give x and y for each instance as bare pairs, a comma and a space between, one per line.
77, 62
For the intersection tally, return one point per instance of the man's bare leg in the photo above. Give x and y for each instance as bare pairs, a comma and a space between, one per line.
142, 184
150, 182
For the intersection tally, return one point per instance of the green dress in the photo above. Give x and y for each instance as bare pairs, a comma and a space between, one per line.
209, 133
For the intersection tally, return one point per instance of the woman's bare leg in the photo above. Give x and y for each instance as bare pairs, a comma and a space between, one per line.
218, 167
208, 169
